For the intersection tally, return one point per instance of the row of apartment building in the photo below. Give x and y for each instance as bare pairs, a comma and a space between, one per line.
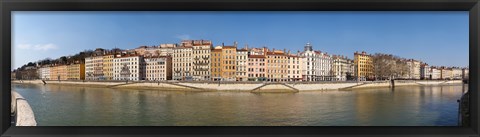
75, 71
416, 69
200, 60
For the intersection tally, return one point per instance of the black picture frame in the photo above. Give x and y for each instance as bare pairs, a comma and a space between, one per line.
7, 6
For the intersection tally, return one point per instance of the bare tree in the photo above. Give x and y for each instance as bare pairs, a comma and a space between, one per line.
387, 66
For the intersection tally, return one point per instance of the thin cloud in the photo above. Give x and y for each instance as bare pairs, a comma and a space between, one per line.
183, 37
43, 47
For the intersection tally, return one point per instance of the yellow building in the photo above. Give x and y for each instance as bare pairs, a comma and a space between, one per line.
223, 63
76, 71
216, 68
363, 66
277, 66
108, 66
58, 72
229, 53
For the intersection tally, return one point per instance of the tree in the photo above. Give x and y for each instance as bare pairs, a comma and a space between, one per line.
387, 66
63, 60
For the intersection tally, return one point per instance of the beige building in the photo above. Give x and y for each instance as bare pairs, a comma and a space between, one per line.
58, 72
277, 65
158, 68
414, 69
446, 73
76, 71
363, 66
183, 62
167, 49
201, 58
108, 66
294, 67
89, 68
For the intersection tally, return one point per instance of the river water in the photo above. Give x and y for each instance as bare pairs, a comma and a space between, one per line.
59, 105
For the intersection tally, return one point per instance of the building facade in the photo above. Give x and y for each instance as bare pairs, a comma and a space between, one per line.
425, 71
242, 63
89, 68
363, 66
216, 65
76, 71
309, 59
228, 63
413, 69
294, 67
98, 67
342, 67
45, 73
457, 73
446, 73
183, 62
324, 65
256, 68
108, 66
167, 49
201, 58
277, 66
58, 72
128, 67
436, 73
158, 68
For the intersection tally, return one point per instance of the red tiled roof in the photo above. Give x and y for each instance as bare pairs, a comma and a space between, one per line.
229, 47
256, 56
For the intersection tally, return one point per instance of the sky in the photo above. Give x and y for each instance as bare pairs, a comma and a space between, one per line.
438, 38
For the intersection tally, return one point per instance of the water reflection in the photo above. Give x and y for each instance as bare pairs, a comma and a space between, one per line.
56, 105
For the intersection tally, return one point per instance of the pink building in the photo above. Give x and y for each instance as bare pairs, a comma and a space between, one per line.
256, 68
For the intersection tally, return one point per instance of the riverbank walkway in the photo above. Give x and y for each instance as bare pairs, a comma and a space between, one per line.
245, 85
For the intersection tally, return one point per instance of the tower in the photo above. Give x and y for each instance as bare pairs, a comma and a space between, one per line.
308, 47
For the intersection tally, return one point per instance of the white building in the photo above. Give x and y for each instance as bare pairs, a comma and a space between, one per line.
436, 73
98, 67
89, 68
457, 73
128, 67
342, 67
44, 73
241, 64
425, 71
318, 65
309, 59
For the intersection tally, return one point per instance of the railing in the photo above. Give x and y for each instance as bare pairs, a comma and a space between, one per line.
22, 113
463, 110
